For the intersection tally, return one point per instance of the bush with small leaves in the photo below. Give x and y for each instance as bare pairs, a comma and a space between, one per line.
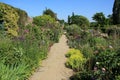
75, 60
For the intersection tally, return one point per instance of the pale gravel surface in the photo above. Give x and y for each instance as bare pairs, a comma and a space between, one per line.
53, 68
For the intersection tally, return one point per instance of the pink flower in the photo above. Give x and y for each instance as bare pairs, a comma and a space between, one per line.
26, 31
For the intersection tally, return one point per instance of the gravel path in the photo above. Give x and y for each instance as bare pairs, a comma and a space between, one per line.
53, 68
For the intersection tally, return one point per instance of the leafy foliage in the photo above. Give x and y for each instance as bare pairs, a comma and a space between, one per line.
117, 77
73, 30
50, 13
83, 75
10, 17
110, 61
101, 53
116, 12
101, 22
23, 16
19, 72
28, 46
44, 20
72, 52
87, 51
100, 18
79, 20
75, 60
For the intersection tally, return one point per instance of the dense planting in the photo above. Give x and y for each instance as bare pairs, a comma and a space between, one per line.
21, 54
29, 48
95, 46
100, 51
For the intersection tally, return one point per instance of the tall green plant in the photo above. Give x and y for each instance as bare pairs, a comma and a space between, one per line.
19, 72
116, 12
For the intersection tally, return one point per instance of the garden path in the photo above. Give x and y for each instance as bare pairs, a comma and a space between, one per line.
53, 68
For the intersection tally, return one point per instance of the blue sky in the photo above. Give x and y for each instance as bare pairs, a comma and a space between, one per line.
63, 8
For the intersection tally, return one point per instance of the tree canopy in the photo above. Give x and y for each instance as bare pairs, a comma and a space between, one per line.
43, 20
99, 18
50, 12
78, 20
116, 12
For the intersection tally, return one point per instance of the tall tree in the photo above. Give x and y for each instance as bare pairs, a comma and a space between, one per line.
69, 19
80, 20
110, 19
50, 12
99, 18
116, 12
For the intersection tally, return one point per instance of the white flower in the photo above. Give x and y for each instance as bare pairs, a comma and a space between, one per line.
110, 47
97, 62
103, 69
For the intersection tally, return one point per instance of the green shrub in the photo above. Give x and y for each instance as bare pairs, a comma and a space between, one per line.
73, 30
10, 18
72, 52
98, 41
99, 44
79, 20
83, 75
87, 50
43, 21
110, 60
117, 77
76, 36
75, 60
